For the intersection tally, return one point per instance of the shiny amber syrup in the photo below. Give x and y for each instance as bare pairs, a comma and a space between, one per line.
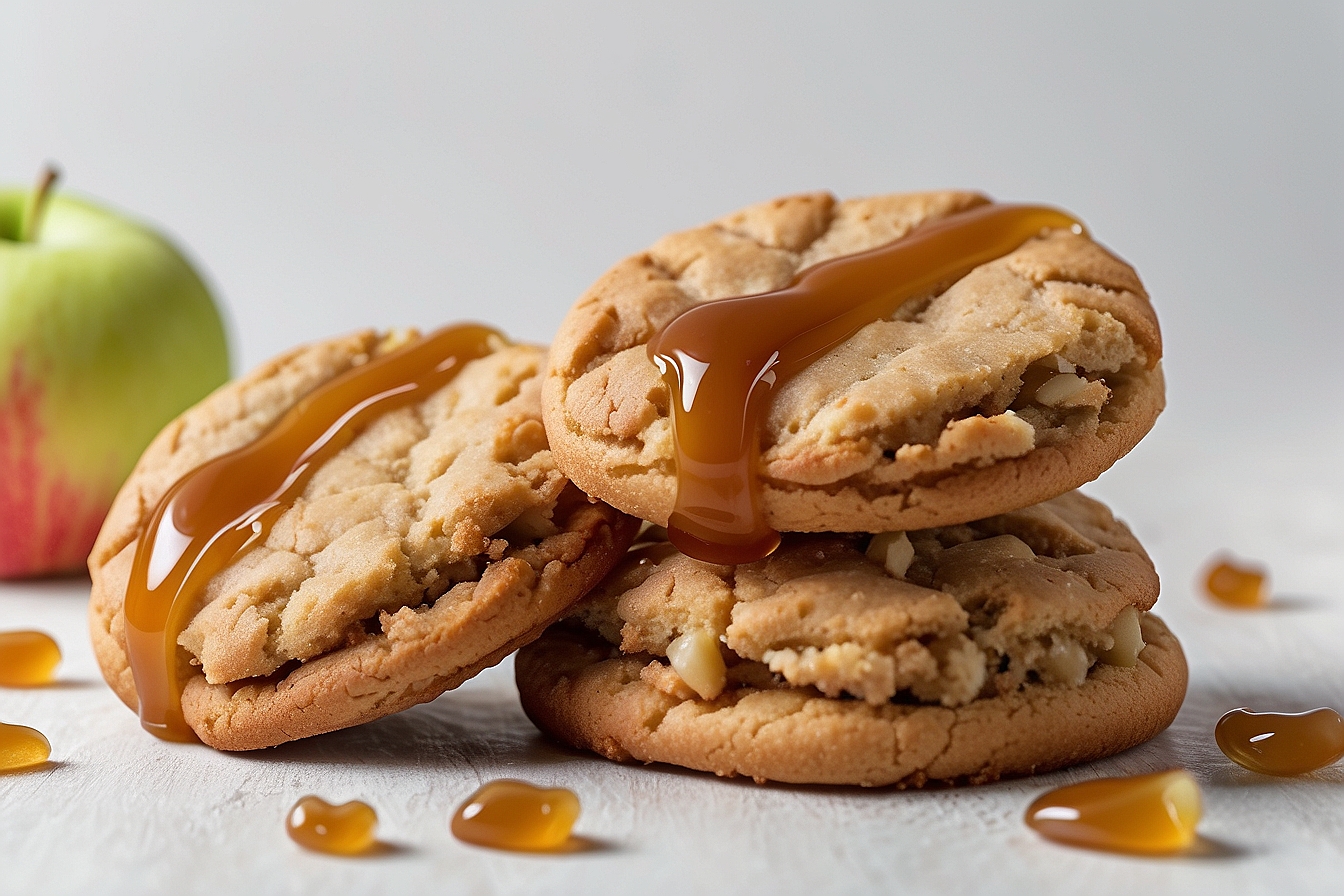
1237, 585
724, 359
345, 830
227, 505
515, 815
1151, 814
27, 658
1280, 743
22, 747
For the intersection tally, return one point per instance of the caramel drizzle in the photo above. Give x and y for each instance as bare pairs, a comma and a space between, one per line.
723, 360
225, 506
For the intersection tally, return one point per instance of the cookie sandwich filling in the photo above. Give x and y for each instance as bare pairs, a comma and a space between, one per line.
939, 616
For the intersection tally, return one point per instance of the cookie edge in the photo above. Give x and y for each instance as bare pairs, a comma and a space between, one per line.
956, 497
350, 687
593, 703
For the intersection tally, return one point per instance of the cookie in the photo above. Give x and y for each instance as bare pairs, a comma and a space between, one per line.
1025, 378
1007, 646
430, 547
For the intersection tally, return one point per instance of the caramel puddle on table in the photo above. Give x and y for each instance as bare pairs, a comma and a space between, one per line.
348, 829
515, 815
27, 659
1233, 583
1145, 814
22, 748
1280, 743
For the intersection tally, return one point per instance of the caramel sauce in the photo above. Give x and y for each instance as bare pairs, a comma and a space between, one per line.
227, 505
1236, 585
723, 360
1151, 814
22, 747
344, 830
1280, 743
27, 658
515, 815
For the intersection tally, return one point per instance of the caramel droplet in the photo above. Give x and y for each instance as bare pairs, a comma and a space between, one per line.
1151, 814
27, 658
723, 360
515, 815
223, 507
344, 830
1236, 585
1281, 743
22, 747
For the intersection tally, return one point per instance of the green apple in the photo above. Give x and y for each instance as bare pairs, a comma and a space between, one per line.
106, 333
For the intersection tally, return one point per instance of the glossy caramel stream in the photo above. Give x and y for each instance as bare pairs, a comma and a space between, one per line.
227, 505
723, 360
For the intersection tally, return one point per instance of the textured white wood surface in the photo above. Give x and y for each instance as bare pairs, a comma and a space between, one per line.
117, 811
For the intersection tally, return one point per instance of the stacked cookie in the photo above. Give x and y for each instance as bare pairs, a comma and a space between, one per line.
942, 606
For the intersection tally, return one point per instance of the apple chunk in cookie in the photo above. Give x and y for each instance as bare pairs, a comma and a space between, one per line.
862, 639
409, 552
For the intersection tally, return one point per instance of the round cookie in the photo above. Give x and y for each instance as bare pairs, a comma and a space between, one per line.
1009, 646
943, 413
432, 546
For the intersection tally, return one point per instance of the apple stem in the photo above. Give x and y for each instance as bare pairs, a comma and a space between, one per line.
37, 203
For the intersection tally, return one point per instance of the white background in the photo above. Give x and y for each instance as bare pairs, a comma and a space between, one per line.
333, 166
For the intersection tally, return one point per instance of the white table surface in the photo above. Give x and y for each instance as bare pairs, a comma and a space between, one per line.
118, 811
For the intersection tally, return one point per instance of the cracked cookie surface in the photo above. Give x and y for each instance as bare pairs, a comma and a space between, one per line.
431, 546
1006, 624
1024, 379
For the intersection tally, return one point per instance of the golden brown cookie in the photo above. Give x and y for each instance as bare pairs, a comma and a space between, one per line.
433, 545
1007, 646
1025, 378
